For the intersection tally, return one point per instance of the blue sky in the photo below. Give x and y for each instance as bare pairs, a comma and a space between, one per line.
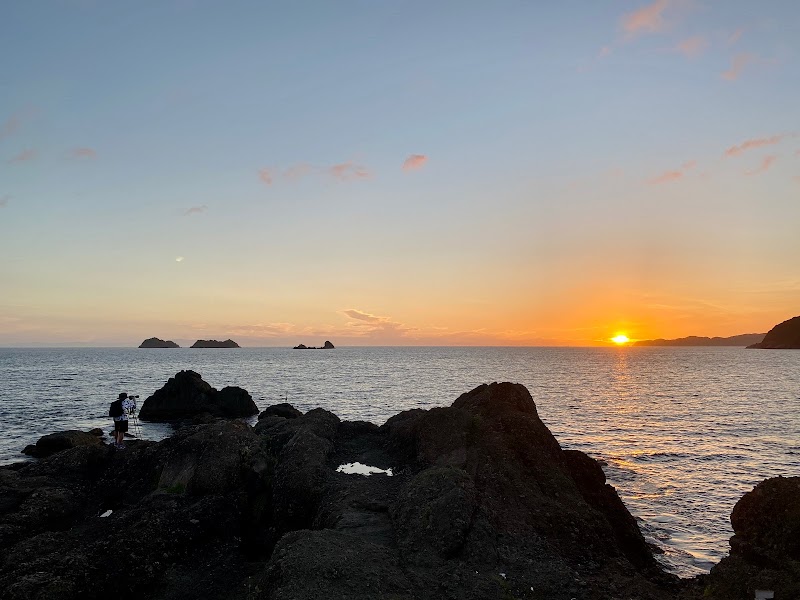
571, 169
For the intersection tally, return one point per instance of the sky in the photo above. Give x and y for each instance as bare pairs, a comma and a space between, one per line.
392, 172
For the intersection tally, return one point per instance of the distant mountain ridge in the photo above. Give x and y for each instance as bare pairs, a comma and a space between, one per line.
743, 340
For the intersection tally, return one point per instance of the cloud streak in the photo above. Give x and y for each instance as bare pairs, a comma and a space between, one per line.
753, 143
81, 153
693, 46
765, 165
24, 156
366, 323
348, 171
414, 162
195, 210
674, 174
738, 64
648, 19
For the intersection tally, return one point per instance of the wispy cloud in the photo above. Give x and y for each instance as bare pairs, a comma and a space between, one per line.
4, 200
348, 170
753, 143
604, 52
178, 259
368, 323
414, 162
648, 19
80, 153
265, 175
674, 174
738, 64
24, 156
766, 163
298, 171
735, 36
9, 126
195, 210
693, 46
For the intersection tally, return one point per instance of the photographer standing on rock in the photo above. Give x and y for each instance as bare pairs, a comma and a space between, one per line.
119, 411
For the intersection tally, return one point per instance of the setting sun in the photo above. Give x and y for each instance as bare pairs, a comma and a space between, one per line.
620, 338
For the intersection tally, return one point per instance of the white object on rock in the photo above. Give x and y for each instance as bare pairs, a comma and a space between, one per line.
764, 594
108, 512
357, 468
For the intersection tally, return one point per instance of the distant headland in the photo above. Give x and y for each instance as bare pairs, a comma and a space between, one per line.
784, 336
326, 346
742, 340
155, 342
215, 344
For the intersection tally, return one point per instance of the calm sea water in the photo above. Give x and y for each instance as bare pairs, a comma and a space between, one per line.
683, 432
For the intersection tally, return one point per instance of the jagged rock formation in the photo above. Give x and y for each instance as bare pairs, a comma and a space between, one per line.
483, 504
215, 344
187, 395
784, 336
155, 342
326, 346
742, 340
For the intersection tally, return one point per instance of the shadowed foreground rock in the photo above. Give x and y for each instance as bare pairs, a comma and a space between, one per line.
784, 336
187, 395
483, 504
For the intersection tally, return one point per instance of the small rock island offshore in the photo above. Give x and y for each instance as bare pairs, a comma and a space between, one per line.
155, 342
326, 346
215, 344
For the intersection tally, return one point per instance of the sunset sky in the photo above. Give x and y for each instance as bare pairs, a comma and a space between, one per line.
381, 172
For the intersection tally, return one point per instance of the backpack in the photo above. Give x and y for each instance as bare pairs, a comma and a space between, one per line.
115, 410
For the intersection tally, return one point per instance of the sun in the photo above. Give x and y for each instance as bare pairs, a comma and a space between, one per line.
620, 339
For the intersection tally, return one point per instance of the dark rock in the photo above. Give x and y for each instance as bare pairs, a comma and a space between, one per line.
284, 410
765, 547
783, 336
215, 344
327, 346
63, 440
186, 395
154, 342
96, 431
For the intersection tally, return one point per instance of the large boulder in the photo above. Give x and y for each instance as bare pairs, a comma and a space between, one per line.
765, 547
62, 440
783, 336
187, 395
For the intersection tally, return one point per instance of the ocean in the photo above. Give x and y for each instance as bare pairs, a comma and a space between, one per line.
682, 433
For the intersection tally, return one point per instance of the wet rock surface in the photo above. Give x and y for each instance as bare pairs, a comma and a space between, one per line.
483, 503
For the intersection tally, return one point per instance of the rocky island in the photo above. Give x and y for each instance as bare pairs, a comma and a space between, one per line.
215, 344
784, 336
326, 346
155, 342
481, 503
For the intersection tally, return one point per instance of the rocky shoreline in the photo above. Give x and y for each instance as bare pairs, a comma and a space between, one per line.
482, 503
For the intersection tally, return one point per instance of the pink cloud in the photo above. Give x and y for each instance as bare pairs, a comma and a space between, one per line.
666, 177
82, 153
298, 171
753, 143
24, 156
10, 126
735, 36
764, 166
265, 175
348, 170
693, 46
604, 52
739, 62
195, 210
674, 175
649, 18
415, 161
4, 200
